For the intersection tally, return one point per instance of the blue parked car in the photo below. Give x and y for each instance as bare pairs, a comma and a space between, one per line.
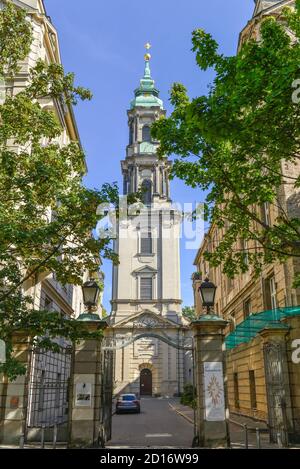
128, 403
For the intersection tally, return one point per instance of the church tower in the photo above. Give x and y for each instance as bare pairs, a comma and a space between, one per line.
146, 297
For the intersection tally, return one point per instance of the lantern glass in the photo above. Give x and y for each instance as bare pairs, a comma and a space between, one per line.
208, 293
91, 293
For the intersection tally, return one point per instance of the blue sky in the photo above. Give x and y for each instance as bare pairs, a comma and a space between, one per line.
103, 43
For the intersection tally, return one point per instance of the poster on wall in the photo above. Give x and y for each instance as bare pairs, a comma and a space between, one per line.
214, 392
83, 397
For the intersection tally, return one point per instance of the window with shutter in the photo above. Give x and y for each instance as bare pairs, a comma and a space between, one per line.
245, 249
236, 391
232, 321
146, 243
273, 292
146, 288
252, 383
270, 293
247, 308
265, 213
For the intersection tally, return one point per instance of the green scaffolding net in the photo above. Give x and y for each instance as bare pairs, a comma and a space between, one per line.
248, 329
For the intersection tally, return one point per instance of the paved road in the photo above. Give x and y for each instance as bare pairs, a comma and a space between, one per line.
156, 426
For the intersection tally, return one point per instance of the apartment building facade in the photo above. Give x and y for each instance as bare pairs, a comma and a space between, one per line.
262, 312
47, 401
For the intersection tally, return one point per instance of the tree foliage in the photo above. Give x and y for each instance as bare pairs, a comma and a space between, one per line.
233, 141
189, 313
46, 214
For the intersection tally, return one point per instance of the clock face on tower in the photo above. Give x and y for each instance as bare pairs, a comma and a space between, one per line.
147, 147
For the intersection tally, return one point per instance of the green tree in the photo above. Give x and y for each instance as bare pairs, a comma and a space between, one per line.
189, 313
46, 214
232, 143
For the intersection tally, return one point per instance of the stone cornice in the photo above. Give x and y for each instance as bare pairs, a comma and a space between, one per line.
59, 299
162, 322
275, 9
144, 302
271, 8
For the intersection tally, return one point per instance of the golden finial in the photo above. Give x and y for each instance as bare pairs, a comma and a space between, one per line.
147, 56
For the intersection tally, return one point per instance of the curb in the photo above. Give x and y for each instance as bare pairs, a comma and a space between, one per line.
181, 414
233, 422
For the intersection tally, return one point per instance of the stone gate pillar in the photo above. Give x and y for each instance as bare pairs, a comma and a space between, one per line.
212, 413
14, 395
86, 395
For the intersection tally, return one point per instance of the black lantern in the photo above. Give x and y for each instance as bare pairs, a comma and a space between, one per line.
208, 293
91, 292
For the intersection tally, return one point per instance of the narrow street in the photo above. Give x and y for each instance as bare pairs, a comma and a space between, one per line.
156, 426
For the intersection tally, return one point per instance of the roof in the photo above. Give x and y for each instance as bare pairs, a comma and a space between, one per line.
26, 5
268, 5
147, 95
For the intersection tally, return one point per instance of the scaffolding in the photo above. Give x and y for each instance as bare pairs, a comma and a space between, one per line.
255, 323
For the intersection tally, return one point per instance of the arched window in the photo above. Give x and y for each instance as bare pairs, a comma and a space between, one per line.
147, 192
146, 133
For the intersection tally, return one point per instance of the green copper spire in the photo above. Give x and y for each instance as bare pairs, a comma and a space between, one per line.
147, 95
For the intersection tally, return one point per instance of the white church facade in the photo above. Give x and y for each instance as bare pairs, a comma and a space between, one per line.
153, 356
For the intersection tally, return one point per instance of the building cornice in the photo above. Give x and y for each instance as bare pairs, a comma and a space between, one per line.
205, 240
279, 4
145, 302
59, 299
161, 321
52, 46
257, 18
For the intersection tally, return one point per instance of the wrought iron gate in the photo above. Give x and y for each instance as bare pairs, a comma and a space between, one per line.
48, 389
106, 397
274, 356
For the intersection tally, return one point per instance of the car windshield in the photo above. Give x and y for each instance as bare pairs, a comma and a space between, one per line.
128, 398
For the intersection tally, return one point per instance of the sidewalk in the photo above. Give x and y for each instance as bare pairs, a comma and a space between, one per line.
237, 431
185, 411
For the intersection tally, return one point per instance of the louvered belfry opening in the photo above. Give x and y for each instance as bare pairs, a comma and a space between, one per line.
146, 243
146, 288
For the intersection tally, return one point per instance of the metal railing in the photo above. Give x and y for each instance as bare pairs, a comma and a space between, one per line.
252, 436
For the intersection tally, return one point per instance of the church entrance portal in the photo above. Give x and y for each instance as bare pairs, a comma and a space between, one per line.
146, 382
